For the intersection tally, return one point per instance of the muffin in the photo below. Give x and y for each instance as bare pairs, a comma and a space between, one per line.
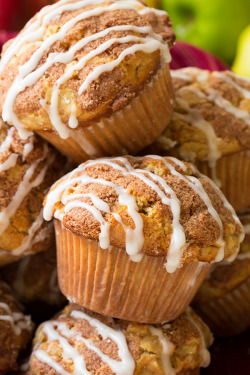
27, 170
211, 127
147, 227
223, 299
91, 78
15, 330
77, 341
34, 281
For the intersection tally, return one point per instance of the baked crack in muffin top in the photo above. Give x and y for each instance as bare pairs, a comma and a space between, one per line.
147, 205
79, 342
77, 61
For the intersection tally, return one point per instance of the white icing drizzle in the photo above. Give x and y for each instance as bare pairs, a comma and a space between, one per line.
196, 185
29, 75
8, 140
181, 74
26, 185
167, 350
11, 161
23, 189
206, 357
190, 74
178, 239
60, 332
135, 237
229, 207
17, 320
194, 117
228, 77
193, 279
33, 236
73, 123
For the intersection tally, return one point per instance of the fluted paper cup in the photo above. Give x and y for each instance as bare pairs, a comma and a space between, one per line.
233, 173
126, 131
109, 283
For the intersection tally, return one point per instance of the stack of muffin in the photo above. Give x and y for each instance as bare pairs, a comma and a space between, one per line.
211, 127
135, 235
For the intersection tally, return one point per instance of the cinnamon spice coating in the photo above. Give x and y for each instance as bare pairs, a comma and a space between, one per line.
199, 225
105, 95
24, 184
143, 345
13, 340
218, 99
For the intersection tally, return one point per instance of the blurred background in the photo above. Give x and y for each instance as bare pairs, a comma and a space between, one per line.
219, 28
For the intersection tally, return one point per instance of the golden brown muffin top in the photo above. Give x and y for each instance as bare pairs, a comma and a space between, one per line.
15, 329
77, 61
147, 205
78, 339
27, 170
226, 277
211, 117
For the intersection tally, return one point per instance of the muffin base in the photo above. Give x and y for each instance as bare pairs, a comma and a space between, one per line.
228, 315
109, 283
233, 171
126, 131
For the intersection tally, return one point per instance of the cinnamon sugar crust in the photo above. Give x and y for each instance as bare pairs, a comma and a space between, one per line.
13, 340
27, 170
105, 95
224, 278
199, 226
216, 100
143, 344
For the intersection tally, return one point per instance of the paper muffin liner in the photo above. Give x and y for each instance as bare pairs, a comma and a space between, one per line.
125, 132
228, 315
109, 283
233, 172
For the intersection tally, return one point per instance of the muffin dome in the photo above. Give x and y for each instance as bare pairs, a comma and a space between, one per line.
210, 127
211, 117
78, 339
156, 206
27, 170
15, 330
77, 61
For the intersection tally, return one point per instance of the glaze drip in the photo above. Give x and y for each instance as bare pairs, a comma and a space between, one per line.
29, 181
193, 116
59, 331
17, 320
134, 235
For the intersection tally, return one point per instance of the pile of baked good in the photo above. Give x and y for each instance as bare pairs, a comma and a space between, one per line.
138, 238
